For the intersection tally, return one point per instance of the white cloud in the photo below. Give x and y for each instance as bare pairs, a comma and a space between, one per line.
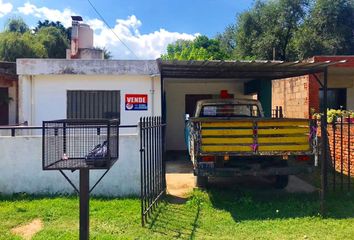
5, 8
145, 46
46, 13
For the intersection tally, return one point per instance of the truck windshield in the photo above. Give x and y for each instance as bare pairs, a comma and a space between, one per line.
229, 110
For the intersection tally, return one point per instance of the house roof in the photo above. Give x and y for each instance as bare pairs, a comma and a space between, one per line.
8, 68
240, 69
85, 67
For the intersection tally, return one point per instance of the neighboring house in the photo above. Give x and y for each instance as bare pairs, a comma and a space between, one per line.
297, 95
8, 94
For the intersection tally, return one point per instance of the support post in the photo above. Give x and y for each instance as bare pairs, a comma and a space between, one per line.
324, 165
84, 203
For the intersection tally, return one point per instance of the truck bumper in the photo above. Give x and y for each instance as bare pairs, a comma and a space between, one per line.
235, 172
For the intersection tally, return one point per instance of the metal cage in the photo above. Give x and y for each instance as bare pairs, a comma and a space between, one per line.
80, 143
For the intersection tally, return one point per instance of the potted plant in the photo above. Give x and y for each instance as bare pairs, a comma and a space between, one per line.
349, 117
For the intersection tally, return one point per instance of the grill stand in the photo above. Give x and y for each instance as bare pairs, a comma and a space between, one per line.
84, 204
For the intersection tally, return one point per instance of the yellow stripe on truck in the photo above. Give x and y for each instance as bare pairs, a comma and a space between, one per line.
284, 131
244, 140
302, 139
226, 149
284, 148
271, 123
226, 124
226, 132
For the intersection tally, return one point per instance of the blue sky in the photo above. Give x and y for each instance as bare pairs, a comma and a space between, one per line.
145, 26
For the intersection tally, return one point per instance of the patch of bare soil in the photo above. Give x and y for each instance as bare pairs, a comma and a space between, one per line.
29, 230
180, 184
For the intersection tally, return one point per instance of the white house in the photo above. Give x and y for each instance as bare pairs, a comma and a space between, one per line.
50, 89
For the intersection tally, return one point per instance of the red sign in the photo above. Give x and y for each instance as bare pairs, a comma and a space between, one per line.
136, 102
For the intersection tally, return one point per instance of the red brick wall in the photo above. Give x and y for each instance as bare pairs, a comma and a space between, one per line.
314, 96
335, 147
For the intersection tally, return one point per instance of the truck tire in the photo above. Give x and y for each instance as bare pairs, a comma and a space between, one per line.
281, 181
201, 181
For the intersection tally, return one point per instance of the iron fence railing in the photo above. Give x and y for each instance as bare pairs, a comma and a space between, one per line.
277, 112
18, 130
152, 163
341, 144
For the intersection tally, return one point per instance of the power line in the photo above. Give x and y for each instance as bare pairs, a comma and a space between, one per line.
105, 22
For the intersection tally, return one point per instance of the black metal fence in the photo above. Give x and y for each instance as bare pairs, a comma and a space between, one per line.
152, 164
341, 147
277, 112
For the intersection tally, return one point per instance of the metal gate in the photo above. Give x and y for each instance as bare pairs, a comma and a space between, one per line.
341, 151
152, 165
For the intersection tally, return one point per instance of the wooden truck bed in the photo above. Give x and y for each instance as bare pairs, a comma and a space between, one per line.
252, 136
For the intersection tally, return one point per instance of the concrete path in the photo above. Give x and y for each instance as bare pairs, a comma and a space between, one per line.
180, 180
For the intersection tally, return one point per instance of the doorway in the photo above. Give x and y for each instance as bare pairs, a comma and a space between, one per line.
191, 102
4, 106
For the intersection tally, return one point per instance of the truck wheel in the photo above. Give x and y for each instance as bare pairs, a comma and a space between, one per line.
201, 181
281, 181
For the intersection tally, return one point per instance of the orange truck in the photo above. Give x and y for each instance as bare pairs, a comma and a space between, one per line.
231, 137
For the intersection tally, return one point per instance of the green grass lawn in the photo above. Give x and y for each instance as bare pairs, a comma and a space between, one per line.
211, 214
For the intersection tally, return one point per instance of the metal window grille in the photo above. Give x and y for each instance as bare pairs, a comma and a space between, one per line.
83, 104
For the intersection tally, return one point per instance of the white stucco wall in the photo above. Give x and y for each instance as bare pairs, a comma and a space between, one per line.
44, 96
175, 103
21, 171
43, 86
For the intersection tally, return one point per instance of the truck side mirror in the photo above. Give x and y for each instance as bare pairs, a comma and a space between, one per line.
186, 117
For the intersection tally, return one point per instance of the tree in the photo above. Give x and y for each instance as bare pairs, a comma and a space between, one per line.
201, 48
268, 25
18, 42
57, 24
53, 40
16, 25
328, 29
47, 40
296, 29
15, 45
228, 40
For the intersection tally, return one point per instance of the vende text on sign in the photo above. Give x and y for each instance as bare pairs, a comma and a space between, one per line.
136, 102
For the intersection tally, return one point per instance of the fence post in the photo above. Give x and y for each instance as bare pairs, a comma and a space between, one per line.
324, 164
349, 144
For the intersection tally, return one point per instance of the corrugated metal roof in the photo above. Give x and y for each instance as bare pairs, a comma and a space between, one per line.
240, 69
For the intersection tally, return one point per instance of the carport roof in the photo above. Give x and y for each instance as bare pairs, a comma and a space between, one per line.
220, 69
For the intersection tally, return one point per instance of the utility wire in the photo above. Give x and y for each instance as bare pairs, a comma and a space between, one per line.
105, 22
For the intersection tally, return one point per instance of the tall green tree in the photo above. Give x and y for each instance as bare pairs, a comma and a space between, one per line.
16, 25
295, 29
15, 45
201, 48
329, 29
54, 41
268, 25
58, 25
18, 41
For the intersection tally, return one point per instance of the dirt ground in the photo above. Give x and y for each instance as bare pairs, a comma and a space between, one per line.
29, 230
180, 179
